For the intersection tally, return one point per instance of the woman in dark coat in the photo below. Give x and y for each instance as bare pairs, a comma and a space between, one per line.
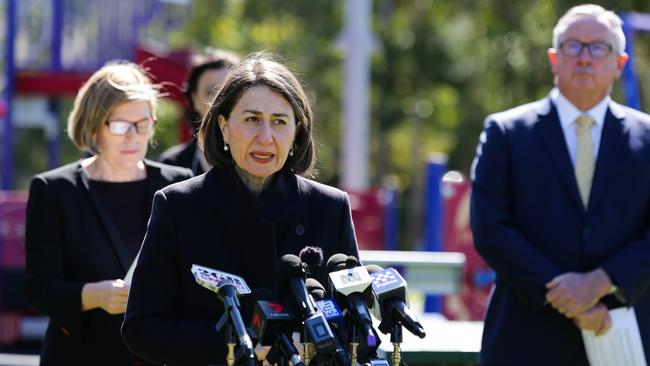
253, 207
86, 220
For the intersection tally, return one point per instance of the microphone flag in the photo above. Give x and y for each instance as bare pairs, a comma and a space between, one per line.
213, 279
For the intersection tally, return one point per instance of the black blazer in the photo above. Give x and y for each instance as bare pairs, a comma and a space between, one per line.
530, 225
183, 155
213, 220
70, 240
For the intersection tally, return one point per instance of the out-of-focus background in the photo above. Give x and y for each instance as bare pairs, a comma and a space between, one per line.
400, 90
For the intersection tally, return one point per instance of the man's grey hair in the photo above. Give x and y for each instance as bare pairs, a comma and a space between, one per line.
609, 17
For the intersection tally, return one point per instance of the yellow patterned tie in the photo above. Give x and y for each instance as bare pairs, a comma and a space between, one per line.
585, 160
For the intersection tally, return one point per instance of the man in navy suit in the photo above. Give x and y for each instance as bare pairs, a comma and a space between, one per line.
561, 204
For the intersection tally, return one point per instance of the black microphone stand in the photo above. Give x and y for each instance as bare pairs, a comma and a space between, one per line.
395, 329
396, 340
231, 342
229, 336
274, 356
306, 347
354, 344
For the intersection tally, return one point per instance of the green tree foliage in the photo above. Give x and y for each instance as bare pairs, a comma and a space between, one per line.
301, 33
440, 68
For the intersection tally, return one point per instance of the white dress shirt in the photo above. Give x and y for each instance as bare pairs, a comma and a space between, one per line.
568, 113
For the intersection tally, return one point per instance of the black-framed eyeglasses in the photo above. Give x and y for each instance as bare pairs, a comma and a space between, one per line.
120, 128
598, 49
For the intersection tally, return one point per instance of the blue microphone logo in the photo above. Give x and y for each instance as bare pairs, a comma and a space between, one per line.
388, 278
329, 309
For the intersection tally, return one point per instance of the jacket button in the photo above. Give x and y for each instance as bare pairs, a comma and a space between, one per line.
300, 230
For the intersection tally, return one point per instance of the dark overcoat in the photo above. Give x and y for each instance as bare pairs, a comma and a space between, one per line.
183, 155
213, 220
70, 240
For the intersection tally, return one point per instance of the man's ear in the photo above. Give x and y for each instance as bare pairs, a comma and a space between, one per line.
552, 57
621, 60
223, 126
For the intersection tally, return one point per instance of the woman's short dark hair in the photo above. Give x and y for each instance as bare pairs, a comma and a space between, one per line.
210, 59
260, 70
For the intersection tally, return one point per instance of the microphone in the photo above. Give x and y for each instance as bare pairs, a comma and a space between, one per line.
289, 269
334, 316
270, 323
390, 294
353, 285
227, 286
328, 307
312, 257
315, 289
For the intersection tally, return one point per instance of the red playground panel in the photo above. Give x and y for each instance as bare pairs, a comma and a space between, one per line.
12, 264
12, 229
368, 214
471, 301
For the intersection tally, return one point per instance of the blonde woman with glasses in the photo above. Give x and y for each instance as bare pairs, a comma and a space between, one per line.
86, 220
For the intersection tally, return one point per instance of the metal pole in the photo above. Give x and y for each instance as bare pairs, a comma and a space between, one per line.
57, 35
52, 134
433, 215
357, 43
630, 77
7, 135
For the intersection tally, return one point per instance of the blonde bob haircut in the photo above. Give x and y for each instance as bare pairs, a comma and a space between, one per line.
115, 83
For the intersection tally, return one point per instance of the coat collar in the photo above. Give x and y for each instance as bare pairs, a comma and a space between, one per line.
231, 189
613, 135
155, 182
263, 224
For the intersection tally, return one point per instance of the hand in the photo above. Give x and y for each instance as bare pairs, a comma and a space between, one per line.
110, 295
595, 319
573, 293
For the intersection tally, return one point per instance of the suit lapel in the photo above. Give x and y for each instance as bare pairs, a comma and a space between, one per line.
154, 181
613, 135
550, 130
121, 250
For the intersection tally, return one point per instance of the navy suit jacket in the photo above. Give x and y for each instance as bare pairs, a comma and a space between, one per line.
213, 220
530, 225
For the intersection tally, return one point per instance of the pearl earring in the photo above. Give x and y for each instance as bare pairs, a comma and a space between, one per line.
291, 152
226, 147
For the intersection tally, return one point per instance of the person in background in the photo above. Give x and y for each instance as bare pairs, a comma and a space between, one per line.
240, 217
560, 204
86, 220
208, 73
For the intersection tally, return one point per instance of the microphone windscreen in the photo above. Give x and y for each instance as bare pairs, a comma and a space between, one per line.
315, 289
373, 268
311, 256
351, 262
336, 262
288, 266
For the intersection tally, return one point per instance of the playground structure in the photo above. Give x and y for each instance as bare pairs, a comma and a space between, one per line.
633, 24
52, 46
